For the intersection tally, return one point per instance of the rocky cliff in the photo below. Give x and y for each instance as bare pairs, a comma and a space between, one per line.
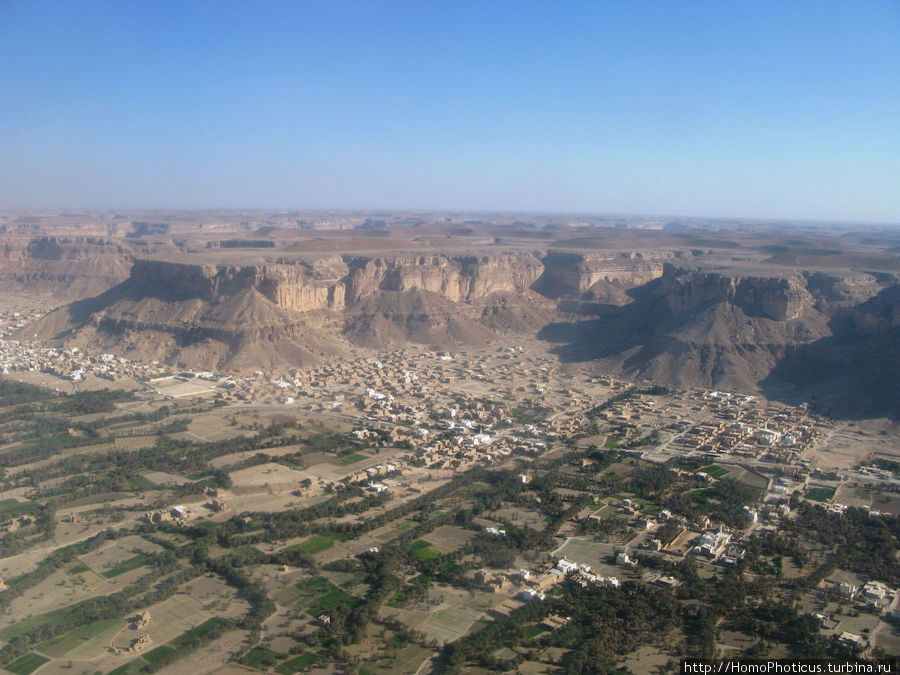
63, 268
779, 298
727, 329
371, 300
596, 277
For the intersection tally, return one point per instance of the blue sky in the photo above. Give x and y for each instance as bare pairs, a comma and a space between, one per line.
757, 109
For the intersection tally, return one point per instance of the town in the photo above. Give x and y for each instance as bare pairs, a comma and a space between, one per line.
653, 485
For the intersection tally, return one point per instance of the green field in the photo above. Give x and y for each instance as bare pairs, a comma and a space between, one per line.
350, 459
10, 507
92, 635
131, 668
320, 595
126, 566
713, 470
27, 664
260, 657
531, 631
315, 585
157, 654
422, 550
205, 525
78, 568
297, 664
820, 494
315, 544
57, 617
198, 632
326, 603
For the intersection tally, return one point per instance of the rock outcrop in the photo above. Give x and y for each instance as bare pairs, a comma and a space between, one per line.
231, 309
779, 298
63, 268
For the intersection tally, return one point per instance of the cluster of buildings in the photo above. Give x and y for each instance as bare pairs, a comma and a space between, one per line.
13, 320
68, 364
739, 426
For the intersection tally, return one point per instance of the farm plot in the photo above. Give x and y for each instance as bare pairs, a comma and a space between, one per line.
169, 619
85, 642
266, 475
422, 550
140, 560
392, 530
297, 664
215, 596
213, 426
449, 624
27, 664
448, 538
163, 478
318, 595
111, 557
60, 589
520, 516
312, 545
236, 457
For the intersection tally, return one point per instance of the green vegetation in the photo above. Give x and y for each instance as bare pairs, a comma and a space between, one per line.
532, 631
62, 645
423, 551
126, 566
428, 547
135, 667
260, 658
346, 460
315, 585
58, 617
315, 544
331, 600
208, 628
17, 393
887, 465
159, 654
714, 470
820, 494
533, 414
27, 664
126, 425
13, 507
297, 664
88, 402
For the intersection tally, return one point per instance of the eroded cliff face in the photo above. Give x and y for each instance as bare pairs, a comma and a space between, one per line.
431, 299
294, 287
336, 283
63, 268
778, 298
458, 279
598, 277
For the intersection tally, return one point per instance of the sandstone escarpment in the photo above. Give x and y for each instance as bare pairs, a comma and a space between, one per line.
63, 268
778, 298
455, 278
595, 277
430, 299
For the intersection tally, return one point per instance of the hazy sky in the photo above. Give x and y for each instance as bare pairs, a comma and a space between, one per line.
767, 109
